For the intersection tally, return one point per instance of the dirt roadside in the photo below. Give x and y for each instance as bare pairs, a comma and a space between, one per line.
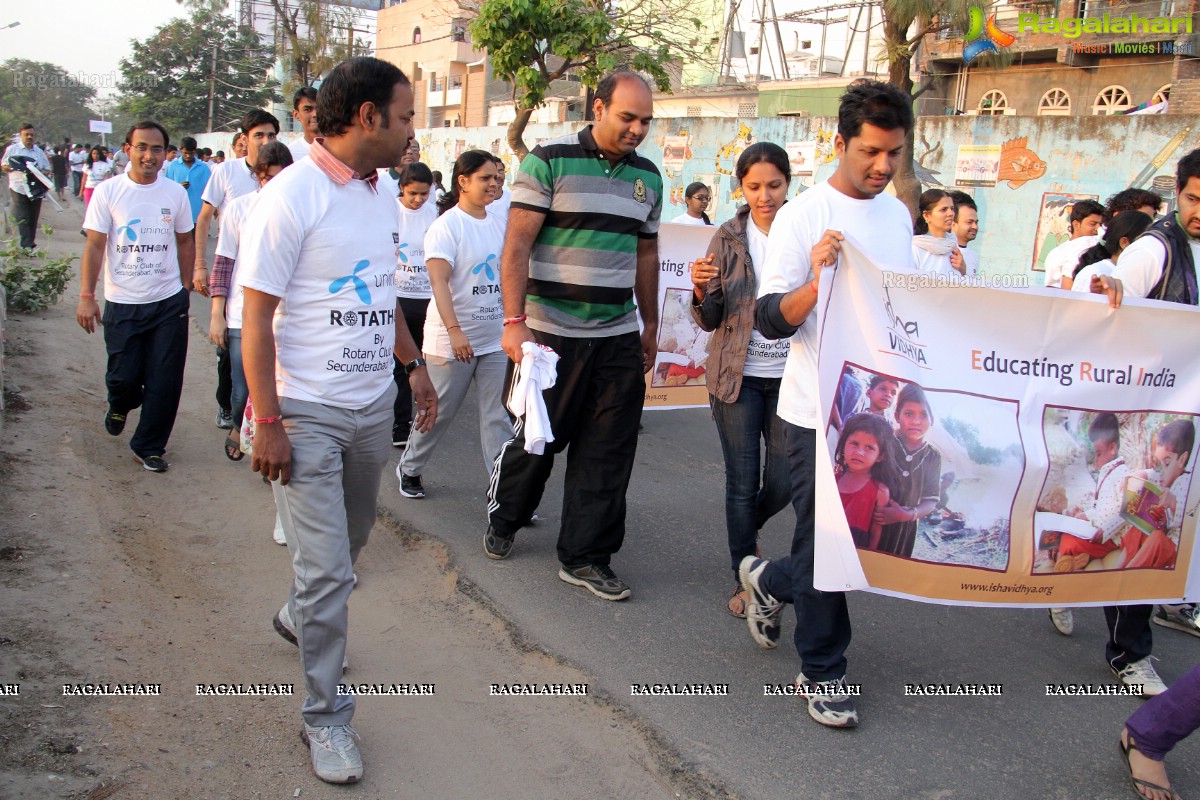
110, 574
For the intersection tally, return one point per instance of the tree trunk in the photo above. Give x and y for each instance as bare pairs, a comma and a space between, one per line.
516, 132
908, 188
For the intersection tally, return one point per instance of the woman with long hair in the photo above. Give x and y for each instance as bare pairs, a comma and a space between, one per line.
1101, 258
697, 197
745, 369
464, 323
935, 249
96, 170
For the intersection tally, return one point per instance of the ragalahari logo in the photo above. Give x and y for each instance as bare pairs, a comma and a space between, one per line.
983, 38
360, 286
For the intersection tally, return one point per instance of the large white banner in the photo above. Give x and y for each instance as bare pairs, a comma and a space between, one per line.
1044, 441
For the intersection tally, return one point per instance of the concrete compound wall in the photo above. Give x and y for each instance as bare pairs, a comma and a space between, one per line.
1038, 157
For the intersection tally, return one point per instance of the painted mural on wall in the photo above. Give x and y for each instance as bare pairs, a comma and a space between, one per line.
1092, 156
1053, 224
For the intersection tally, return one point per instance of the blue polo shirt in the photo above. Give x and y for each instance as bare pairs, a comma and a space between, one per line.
196, 175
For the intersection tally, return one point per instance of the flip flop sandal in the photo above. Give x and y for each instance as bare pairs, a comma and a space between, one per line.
233, 450
737, 602
1138, 782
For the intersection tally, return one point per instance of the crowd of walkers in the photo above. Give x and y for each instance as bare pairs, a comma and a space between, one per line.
355, 300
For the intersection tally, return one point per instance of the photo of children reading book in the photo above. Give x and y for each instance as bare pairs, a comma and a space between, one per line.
1132, 500
925, 474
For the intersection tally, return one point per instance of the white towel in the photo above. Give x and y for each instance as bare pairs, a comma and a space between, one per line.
537, 372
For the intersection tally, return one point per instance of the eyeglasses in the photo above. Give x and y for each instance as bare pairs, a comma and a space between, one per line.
142, 149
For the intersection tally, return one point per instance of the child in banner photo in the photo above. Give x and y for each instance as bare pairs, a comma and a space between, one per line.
865, 467
1103, 511
918, 485
1172, 450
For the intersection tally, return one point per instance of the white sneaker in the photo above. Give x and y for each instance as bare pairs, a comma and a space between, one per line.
335, 756
829, 702
1063, 619
285, 626
1141, 673
277, 534
1184, 617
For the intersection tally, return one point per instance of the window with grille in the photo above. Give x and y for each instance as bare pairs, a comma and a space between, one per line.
1055, 103
993, 103
1112, 100
747, 109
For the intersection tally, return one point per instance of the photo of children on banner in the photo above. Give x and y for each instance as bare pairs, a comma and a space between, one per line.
681, 343
891, 454
1130, 514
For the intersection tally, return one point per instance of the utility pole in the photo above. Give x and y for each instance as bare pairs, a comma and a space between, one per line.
212, 87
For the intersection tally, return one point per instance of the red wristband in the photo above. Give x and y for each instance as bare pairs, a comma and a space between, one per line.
813, 285
515, 320
87, 294
267, 420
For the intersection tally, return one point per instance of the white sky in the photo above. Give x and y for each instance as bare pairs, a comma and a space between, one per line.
83, 36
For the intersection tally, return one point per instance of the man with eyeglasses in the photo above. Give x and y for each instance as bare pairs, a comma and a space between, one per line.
26, 194
139, 233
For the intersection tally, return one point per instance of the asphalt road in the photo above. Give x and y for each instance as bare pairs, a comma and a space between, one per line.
674, 629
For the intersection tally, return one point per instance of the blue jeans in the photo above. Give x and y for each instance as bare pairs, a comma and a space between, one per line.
753, 492
239, 391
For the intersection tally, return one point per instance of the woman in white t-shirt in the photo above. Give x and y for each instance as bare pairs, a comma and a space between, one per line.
96, 170
463, 326
696, 197
1101, 258
935, 249
744, 369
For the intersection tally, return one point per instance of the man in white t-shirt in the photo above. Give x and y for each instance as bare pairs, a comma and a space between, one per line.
77, 160
229, 180
25, 193
318, 260
304, 111
806, 237
139, 232
499, 207
965, 229
1084, 227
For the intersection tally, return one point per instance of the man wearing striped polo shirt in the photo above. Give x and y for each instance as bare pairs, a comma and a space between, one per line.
582, 245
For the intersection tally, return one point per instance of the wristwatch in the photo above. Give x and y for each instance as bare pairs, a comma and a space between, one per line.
410, 366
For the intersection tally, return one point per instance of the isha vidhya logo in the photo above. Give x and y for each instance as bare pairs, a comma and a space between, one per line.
983, 38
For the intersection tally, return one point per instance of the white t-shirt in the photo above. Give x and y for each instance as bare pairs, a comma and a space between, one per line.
1062, 260
934, 264
141, 264
1083, 281
77, 160
881, 227
98, 173
389, 185
232, 219
119, 161
687, 219
1141, 264
329, 252
412, 279
499, 207
764, 358
229, 180
472, 246
970, 259
299, 149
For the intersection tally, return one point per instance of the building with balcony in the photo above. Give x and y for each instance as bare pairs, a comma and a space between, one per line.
428, 39
1074, 58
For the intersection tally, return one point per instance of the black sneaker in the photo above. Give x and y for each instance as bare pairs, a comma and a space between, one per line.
114, 423
400, 436
829, 702
597, 579
496, 545
151, 463
410, 486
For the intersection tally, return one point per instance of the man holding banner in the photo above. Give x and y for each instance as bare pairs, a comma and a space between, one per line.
873, 121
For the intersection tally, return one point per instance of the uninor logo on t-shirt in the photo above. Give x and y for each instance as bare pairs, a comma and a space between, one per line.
400, 254
485, 267
128, 230
360, 286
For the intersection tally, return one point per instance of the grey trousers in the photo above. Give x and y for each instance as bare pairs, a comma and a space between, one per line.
451, 379
328, 510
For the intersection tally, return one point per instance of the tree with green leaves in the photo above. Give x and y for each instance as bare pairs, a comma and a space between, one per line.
532, 43
195, 70
316, 37
53, 100
905, 24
